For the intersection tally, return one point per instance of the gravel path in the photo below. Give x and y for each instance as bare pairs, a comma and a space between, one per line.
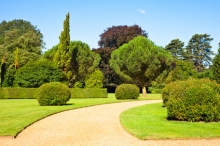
91, 126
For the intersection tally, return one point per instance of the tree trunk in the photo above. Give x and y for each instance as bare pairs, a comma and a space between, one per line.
144, 93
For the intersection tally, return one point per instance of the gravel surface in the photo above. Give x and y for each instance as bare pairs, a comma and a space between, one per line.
91, 126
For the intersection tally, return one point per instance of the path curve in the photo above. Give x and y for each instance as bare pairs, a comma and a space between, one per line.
91, 126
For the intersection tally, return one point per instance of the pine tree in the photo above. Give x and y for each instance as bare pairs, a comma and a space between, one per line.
62, 56
199, 51
216, 66
176, 48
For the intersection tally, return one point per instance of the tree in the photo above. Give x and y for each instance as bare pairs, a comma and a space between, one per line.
23, 35
83, 61
111, 39
34, 74
94, 80
199, 51
176, 48
62, 56
116, 36
216, 66
50, 53
182, 71
140, 61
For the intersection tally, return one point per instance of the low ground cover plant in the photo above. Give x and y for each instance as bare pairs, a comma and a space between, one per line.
127, 91
54, 93
193, 100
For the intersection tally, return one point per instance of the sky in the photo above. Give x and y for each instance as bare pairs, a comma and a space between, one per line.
163, 20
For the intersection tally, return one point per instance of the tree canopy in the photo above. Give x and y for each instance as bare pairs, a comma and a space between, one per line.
111, 39
176, 48
116, 36
199, 51
83, 60
23, 35
140, 61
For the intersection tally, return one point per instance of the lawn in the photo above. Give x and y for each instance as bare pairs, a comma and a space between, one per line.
149, 122
16, 114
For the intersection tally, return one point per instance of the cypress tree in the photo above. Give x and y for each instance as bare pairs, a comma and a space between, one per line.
62, 56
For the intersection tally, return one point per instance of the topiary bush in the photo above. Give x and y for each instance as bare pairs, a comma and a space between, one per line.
127, 91
54, 93
194, 100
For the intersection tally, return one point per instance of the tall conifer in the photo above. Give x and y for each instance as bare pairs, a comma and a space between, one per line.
62, 56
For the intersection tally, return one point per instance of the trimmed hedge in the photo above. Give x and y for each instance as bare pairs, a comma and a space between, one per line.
127, 91
89, 93
193, 100
54, 93
17, 93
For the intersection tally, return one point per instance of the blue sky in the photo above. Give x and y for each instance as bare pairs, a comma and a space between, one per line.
163, 20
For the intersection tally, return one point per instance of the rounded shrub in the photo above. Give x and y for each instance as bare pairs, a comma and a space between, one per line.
54, 93
193, 100
127, 91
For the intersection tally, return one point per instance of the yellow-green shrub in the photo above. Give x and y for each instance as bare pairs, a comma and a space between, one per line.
127, 91
194, 100
54, 93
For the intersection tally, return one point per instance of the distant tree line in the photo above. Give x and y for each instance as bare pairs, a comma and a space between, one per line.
125, 55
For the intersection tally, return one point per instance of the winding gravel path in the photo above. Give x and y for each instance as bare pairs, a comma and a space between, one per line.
91, 126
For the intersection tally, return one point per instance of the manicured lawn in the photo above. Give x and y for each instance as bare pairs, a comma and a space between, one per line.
149, 122
16, 114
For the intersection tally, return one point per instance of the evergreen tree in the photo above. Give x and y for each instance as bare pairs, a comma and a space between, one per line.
176, 48
199, 51
140, 61
62, 56
216, 66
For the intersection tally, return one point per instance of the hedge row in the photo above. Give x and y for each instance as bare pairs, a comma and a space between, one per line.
17, 93
89, 93
28, 93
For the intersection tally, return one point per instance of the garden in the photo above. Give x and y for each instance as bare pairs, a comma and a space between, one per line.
127, 67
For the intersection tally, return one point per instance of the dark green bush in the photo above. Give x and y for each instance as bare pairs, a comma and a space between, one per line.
35, 74
127, 91
17, 93
54, 93
194, 100
89, 93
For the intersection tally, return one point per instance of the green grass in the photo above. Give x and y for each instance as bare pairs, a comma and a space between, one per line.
149, 122
16, 114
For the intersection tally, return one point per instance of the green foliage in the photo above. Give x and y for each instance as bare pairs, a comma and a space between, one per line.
34, 74
216, 67
140, 61
78, 84
54, 93
23, 35
17, 93
208, 73
194, 100
94, 80
199, 51
49, 54
176, 48
9, 77
83, 61
182, 71
127, 91
89, 93
62, 56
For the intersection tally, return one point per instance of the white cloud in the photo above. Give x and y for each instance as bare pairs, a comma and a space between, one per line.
142, 11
